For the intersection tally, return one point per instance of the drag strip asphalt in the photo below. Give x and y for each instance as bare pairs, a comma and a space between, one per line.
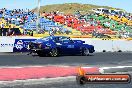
98, 59
108, 62
61, 82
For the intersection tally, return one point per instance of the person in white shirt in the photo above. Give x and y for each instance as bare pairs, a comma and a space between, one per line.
51, 32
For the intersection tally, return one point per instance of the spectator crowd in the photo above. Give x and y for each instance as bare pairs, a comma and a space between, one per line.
55, 22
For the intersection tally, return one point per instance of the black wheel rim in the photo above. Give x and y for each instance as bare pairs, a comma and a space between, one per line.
54, 52
86, 51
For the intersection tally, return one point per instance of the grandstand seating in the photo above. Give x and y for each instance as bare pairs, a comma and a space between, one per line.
79, 24
27, 20
114, 25
86, 24
120, 19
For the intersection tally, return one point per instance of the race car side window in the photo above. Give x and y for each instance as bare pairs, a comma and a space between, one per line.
67, 39
57, 39
71, 40
47, 38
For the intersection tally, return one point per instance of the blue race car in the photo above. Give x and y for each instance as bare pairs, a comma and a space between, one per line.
60, 45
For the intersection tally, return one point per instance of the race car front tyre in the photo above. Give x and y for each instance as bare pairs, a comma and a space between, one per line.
85, 52
54, 52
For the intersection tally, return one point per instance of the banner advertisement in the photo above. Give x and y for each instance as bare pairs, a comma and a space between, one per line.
6, 44
20, 45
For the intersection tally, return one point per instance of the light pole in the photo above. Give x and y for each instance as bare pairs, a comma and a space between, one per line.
38, 14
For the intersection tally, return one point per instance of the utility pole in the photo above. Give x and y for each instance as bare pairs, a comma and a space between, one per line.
38, 14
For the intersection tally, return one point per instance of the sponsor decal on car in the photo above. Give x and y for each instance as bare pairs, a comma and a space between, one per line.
19, 45
58, 44
70, 46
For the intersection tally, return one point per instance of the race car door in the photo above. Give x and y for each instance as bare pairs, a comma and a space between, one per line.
70, 47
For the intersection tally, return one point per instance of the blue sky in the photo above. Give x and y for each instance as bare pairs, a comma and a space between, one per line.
11, 4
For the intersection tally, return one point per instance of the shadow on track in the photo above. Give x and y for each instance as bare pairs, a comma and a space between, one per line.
60, 55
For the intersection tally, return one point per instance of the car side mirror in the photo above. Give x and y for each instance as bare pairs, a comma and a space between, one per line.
83, 41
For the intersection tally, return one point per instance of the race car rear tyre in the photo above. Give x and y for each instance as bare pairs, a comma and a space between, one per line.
54, 52
85, 52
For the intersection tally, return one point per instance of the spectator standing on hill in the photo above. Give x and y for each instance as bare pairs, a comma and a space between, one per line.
94, 32
2, 28
119, 34
31, 33
9, 31
24, 32
2, 25
51, 32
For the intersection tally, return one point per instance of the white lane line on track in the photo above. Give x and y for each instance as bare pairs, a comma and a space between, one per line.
66, 66
102, 69
36, 81
116, 67
34, 66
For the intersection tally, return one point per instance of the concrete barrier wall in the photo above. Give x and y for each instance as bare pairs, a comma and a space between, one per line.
7, 44
109, 45
101, 45
122, 45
